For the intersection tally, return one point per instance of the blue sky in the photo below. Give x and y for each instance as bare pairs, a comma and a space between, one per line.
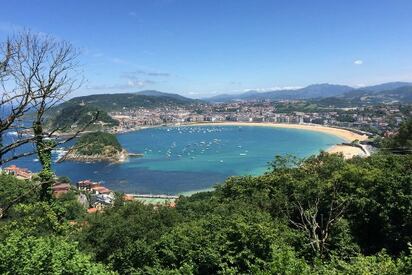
200, 48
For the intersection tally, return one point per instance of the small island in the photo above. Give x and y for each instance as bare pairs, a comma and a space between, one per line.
98, 146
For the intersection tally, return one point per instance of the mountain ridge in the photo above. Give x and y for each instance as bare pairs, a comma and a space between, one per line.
118, 101
322, 90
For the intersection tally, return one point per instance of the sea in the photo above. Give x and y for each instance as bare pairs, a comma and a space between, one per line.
179, 160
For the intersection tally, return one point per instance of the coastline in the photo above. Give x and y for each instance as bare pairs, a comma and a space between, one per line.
346, 150
120, 157
347, 135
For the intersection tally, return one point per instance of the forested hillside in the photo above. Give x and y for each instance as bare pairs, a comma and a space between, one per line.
98, 143
322, 215
115, 102
72, 117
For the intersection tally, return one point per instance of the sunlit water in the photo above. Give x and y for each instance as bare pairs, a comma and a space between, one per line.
182, 159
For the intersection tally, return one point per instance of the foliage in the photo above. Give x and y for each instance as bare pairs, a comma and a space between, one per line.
381, 210
97, 143
116, 102
71, 117
402, 141
72, 209
320, 215
13, 190
380, 263
120, 227
21, 254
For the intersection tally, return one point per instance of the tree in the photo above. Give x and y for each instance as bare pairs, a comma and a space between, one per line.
40, 72
402, 141
13, 190
21, 254
14, 103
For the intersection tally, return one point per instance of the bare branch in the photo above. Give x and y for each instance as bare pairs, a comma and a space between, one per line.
38, 72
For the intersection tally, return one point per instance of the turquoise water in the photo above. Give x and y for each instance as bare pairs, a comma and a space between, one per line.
182, 159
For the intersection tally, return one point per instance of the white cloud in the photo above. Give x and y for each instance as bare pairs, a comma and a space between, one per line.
358, 62
129, 85
132, 13
146, 73
135, 83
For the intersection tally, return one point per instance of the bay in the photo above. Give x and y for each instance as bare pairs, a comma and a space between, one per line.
188, 158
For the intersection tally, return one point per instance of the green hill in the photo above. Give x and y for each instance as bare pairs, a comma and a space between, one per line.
71, 117
116, 102
97, 146
98, 143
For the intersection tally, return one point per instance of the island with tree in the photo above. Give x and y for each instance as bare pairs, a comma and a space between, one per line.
98, 146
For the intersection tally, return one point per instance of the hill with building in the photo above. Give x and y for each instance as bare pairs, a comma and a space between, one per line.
71, 117
122, 101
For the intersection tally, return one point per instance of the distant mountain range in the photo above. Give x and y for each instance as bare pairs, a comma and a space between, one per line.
340, 94
310, 92
380, 95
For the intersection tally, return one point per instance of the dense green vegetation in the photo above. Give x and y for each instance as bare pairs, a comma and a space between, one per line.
72, 117
116, 102
322, 215
402, 141
97, 143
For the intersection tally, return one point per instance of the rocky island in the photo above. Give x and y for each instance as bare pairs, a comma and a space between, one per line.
98, 146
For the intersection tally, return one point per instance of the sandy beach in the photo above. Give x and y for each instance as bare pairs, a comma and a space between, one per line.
347, 151
348, 136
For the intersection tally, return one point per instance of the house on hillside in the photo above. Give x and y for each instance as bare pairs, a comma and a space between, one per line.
100, 196
20, 173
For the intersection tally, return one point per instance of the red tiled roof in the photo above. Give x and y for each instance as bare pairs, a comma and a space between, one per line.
84, 183
101, 189
11, 168
22, 172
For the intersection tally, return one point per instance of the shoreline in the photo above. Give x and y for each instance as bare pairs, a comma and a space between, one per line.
345, 134
346, 150
120, 157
